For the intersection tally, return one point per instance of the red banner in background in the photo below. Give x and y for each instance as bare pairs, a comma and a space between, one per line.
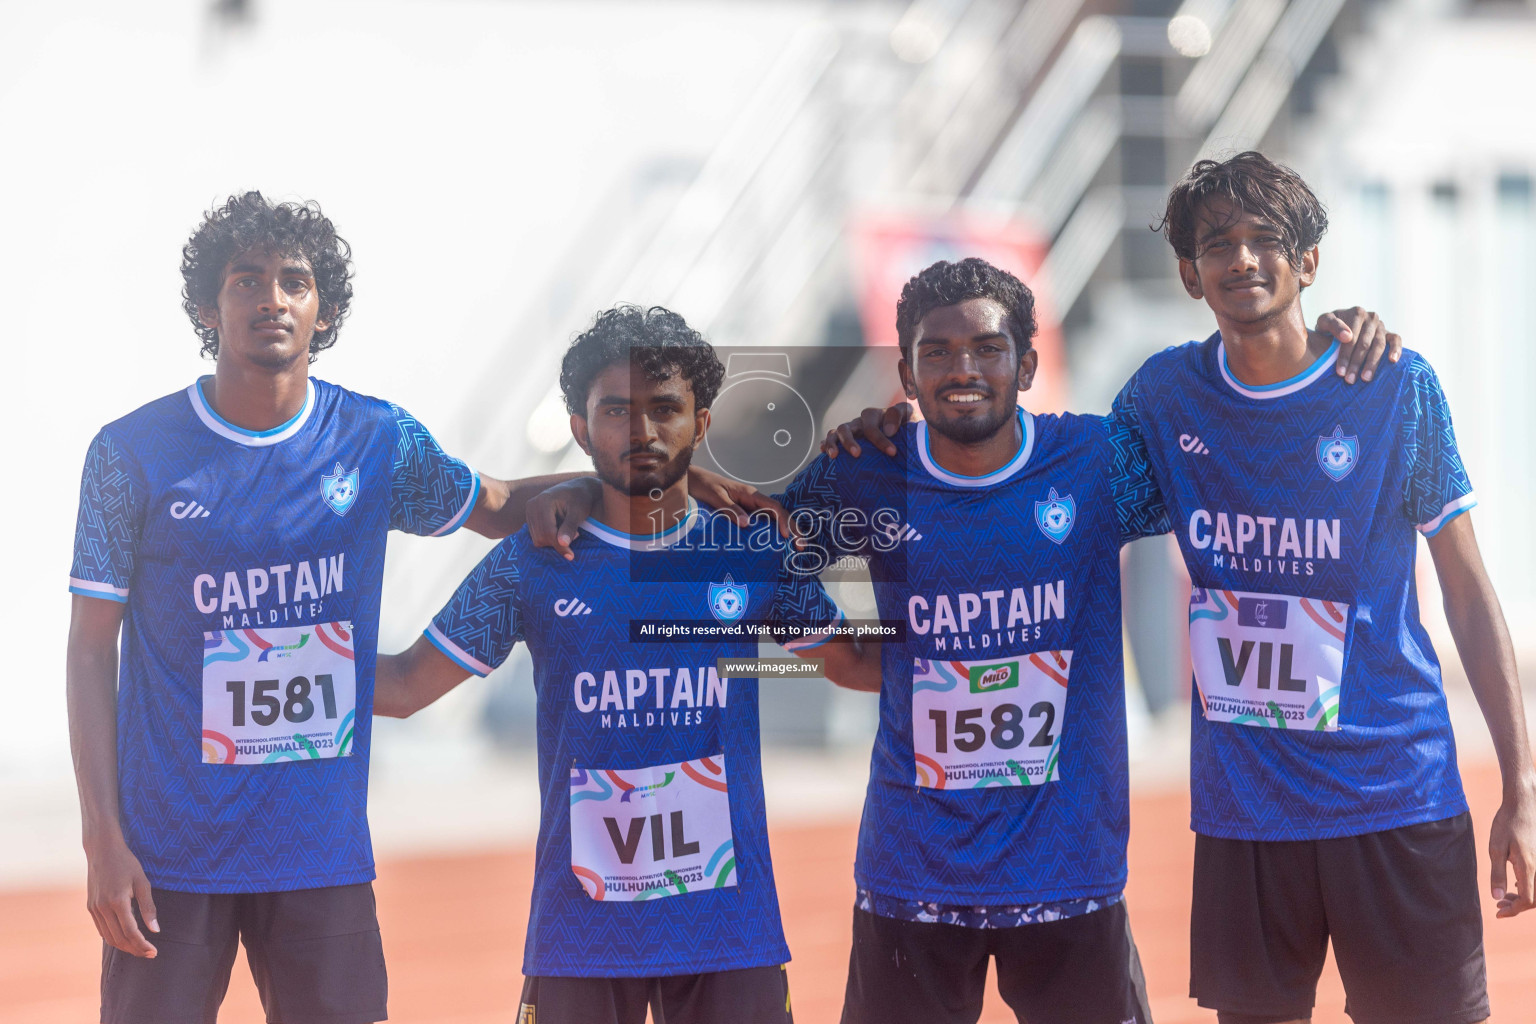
889, 247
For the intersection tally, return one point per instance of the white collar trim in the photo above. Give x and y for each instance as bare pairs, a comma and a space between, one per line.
645, 541
1284, 387
997, 476
252, 438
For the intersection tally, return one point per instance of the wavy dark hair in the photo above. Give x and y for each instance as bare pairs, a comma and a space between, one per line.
947, 284
253, 222
1251, 183
657, 341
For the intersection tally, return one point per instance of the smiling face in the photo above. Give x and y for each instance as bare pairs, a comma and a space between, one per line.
641, 433
268, 310
1242, 269
964, 370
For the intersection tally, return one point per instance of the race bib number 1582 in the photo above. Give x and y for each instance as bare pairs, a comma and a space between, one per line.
280, 694
989, 723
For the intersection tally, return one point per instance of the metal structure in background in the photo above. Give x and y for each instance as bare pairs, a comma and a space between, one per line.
1014, 107
1074, 115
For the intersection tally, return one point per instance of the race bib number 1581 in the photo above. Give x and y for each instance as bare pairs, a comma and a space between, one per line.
281, 694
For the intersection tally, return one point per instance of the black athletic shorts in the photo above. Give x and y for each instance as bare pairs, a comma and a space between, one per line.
1401, 907
1080, 970
315, 955
753, 995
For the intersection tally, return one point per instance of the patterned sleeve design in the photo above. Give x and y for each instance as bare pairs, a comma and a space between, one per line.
1138, 502
1436, 488
430, 492
107, 529
801, 602
819, 513
479, 625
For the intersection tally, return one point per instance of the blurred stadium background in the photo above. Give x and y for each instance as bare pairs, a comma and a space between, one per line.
773, 171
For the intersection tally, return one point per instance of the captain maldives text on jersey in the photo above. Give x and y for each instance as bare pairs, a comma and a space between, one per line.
291, 592
1263, 543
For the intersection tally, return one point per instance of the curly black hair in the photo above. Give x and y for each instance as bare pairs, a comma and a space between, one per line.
947, 284
1250, 183
251, 221
657, 341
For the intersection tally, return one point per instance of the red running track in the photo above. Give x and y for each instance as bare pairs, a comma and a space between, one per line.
453, 929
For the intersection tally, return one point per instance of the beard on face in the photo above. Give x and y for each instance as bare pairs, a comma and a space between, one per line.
966, 429
636, 483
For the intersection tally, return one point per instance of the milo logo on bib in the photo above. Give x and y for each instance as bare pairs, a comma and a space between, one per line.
1268, 660
986, 678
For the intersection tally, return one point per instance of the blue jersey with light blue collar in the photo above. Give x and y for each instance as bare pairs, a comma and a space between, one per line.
652, 854
1319, 710
998, 775
251, 566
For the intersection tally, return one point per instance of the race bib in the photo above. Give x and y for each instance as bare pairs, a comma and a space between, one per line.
646, 833
281, 694
1267, 659
989, 723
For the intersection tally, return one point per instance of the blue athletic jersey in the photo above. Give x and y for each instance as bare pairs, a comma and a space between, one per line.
1007, 583
1305, 499
613, 702
237, 551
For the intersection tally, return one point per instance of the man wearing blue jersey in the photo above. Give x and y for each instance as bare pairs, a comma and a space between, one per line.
1325, 794
231, 537
652, 880
997, 813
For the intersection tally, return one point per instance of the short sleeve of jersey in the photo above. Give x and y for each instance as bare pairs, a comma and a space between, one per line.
430, 492
813, 500
107, 528
802, 603
481, 622
1436, 487
1138, 502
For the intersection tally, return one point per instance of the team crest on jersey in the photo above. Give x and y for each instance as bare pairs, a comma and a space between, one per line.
727, 601
339, 489
1055, 516
1338, 454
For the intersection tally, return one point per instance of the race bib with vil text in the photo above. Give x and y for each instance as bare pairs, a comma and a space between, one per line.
1268, 660
648, 833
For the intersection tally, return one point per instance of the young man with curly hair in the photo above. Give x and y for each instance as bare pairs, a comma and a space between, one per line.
1325, 796
996, 819
652, 879
228, 564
